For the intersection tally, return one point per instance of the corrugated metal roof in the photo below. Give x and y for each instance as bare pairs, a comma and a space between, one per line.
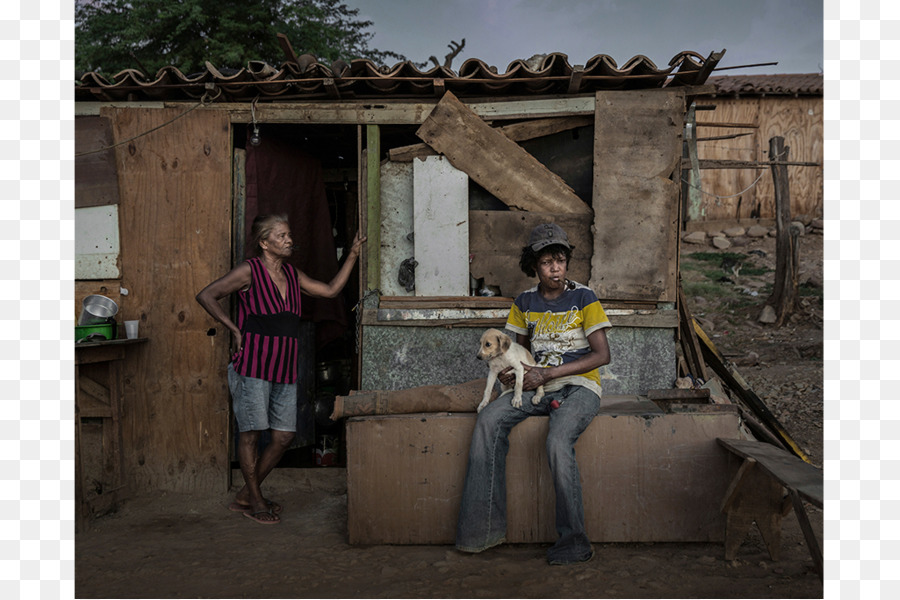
308, 79
803, 84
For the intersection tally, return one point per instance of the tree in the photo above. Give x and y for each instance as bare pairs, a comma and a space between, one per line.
111, 35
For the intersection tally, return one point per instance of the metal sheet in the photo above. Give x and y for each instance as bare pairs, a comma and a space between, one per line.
97, 242
441, 221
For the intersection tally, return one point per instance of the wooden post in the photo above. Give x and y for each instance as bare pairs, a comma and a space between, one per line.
784, 292
373, 200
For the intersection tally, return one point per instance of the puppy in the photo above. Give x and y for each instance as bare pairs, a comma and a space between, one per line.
500, 352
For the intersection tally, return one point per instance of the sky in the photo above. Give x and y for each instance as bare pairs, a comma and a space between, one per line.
500, 31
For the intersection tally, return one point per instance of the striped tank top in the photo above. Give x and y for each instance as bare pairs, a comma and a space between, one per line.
270, 326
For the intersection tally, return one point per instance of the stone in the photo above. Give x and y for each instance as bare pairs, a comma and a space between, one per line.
758, 231
817, 224
804, 218
739, 241
714, 234
767, 315
721, 243
733, 232
696, 237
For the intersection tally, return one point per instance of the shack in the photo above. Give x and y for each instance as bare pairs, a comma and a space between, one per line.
446, 172
733, 127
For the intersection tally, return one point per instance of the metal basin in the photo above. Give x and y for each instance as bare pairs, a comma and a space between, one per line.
96, 309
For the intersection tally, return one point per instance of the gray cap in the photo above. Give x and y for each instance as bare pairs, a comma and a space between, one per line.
546, 234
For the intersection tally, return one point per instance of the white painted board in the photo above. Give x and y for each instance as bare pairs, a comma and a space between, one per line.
97, 242
441, 220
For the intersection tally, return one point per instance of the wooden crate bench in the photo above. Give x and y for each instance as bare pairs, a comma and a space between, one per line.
647, 476
756, 494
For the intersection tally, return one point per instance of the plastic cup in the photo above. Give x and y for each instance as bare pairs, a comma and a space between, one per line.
131, 329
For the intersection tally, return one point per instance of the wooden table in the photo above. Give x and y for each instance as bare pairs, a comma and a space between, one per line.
98, 394
755, 494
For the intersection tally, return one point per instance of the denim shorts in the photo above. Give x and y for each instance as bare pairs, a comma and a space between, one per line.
260, 405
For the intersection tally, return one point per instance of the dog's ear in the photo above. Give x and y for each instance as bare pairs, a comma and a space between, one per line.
505, 342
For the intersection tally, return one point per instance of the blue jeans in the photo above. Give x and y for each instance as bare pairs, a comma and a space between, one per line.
482, 514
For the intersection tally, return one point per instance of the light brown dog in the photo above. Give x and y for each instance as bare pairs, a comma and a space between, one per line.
500, 351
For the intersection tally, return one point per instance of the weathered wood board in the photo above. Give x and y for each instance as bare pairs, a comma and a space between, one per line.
496, 239
646, 477
175, 218
496, 162
96, 180
745, 193
637, 166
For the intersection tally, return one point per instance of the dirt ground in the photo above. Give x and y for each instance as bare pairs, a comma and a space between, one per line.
167, 545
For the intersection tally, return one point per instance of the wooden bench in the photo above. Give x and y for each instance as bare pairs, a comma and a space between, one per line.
756, 494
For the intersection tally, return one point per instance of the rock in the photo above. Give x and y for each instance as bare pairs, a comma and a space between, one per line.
804, 218
768, 315
817, 224
696, 237
751, 360
758, 231
721, 243
733, 232
739, 241
714, 234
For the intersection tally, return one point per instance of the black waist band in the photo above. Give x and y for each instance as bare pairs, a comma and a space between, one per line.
283, 324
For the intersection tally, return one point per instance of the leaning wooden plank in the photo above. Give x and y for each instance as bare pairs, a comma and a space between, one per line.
518, 132
736, 382
496, 162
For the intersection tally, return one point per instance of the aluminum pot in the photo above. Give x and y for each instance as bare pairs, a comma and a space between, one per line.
97, 309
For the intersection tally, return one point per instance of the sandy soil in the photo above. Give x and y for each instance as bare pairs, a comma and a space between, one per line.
168, 545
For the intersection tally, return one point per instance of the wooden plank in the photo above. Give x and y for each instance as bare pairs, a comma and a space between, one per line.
789, 470
733, 379
497, 163
679, 394
731, 493
496, 239
176, 221
637, 153
519, 132
373, 202
96, 178
660, 479
815, 550
397, 112
477, 302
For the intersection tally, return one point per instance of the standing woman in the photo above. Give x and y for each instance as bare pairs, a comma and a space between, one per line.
262, 374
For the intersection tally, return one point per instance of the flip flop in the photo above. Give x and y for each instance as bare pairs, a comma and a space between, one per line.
238, 507
252, 515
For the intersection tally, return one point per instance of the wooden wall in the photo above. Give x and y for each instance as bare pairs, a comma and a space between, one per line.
175, 220
798, 120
